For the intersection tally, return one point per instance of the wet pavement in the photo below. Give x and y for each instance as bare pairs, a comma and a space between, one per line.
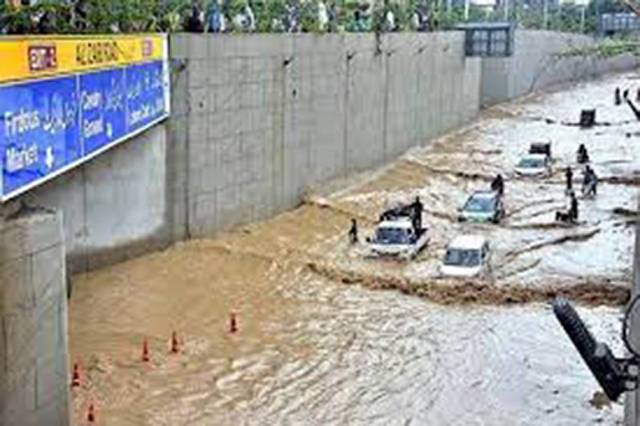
316, 344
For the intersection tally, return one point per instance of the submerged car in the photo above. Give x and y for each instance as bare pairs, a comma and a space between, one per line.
543, 148
482, 206
534, 165
467, 256
399, 234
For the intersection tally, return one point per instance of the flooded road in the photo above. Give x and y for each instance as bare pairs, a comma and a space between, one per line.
316, 344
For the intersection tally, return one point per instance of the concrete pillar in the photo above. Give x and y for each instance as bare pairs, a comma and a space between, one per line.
33, 320
632, 401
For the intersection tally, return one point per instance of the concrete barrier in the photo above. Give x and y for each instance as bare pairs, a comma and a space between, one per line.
632, 400
33, 313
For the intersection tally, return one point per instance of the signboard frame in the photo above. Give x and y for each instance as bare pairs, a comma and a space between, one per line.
152, 57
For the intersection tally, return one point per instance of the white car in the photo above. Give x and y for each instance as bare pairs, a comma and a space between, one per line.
397, 237
467, 256
534, 165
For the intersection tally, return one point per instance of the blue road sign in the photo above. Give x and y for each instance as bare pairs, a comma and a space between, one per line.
49, 126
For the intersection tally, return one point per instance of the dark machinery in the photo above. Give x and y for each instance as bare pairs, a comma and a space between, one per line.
615, 375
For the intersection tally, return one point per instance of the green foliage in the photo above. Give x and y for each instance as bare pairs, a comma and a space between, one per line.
266, 12
606, 49
170, 14
45, 17
107, 16
309, 17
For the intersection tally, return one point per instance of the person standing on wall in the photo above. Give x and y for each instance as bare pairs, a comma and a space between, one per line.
215, 18
195, 23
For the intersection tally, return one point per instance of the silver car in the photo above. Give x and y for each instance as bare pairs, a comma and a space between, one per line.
482, 206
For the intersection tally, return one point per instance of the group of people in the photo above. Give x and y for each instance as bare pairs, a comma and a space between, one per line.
589, 189
413, 210
589, 186
619, 95
301, 15
216, 16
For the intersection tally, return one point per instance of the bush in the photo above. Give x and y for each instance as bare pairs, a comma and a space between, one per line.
108, 16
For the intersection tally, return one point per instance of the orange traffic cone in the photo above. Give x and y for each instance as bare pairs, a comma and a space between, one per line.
75, 379
174, 343
233, 323
145, 351
91, 416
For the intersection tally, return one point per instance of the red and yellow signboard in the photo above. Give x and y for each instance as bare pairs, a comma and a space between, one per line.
25, 58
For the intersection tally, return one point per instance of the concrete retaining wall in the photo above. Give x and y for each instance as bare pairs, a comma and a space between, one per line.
535, 66
34, 376
116, 205
259, 119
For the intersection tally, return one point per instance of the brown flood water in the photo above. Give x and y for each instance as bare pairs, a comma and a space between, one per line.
316, 345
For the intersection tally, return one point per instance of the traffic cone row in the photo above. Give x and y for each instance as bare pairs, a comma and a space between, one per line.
175, 348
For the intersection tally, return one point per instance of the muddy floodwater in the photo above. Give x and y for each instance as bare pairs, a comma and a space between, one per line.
329, 336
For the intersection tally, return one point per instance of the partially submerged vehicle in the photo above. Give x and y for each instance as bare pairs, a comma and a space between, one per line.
587, 118
467, 256
482, 206
534, 165
400, 233
543, 148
